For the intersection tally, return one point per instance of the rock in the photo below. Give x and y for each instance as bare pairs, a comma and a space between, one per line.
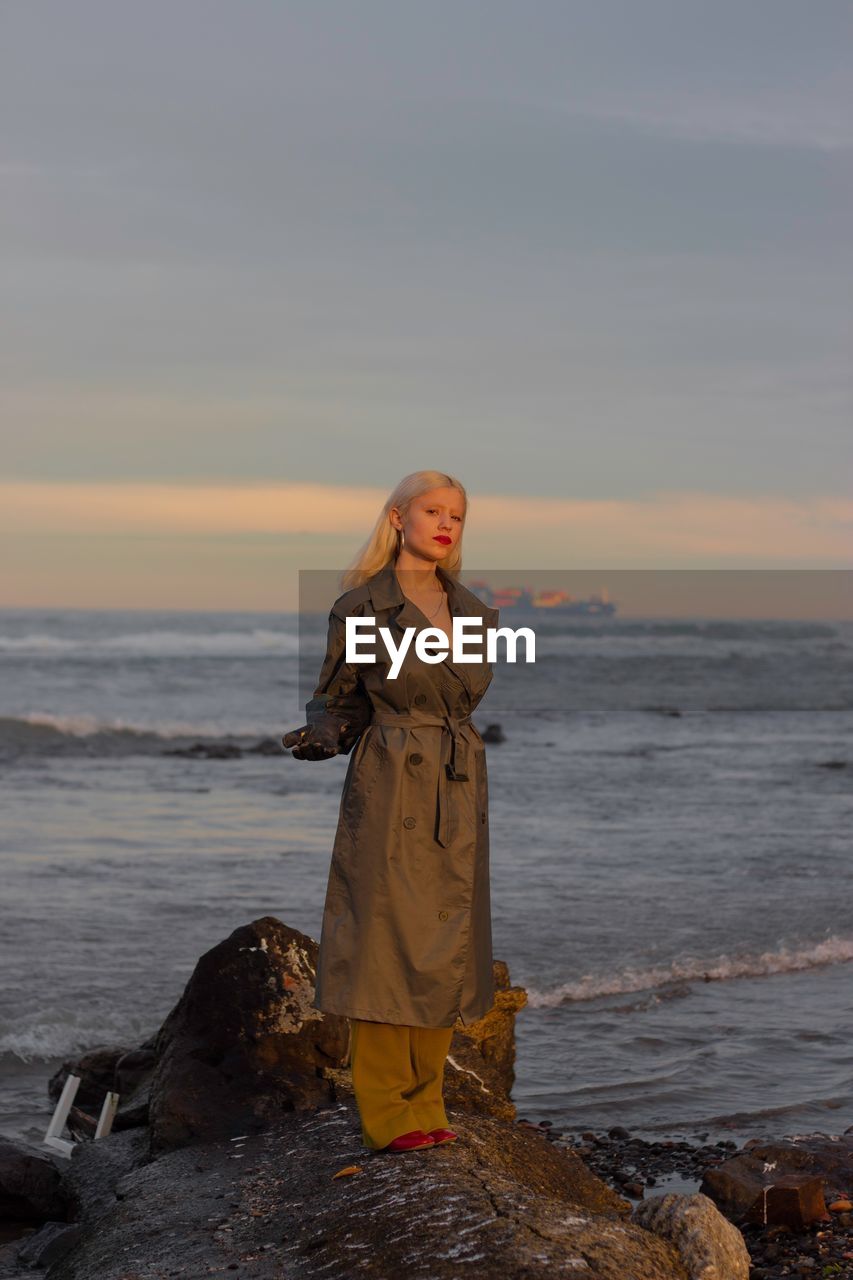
109, 1068
243, 1044
266, 747
246, 1013
795, 1200
95, 1168
30, 1184
97, 1072
50, 1243
209, 751
501, 1202
134, 1068
710, 1247
134, 1073
799, 1167
480, 1069
250, 1115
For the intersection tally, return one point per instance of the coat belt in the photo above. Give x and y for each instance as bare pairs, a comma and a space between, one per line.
454, 760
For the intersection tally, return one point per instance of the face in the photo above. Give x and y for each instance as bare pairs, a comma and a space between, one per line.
433, 524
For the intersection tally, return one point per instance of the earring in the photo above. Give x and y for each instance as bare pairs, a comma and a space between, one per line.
402, 538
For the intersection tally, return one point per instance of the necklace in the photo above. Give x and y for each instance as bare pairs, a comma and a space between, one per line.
438, 606
441, 596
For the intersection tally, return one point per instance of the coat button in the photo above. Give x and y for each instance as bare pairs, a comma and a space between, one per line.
442, 915
420, 699
415, 758
409, 822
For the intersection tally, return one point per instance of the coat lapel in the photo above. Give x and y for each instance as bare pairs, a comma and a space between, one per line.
386, 593
457, 609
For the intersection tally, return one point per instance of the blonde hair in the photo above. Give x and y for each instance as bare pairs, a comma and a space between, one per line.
383, 541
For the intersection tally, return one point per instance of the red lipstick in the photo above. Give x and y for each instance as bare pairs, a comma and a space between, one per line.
440, 537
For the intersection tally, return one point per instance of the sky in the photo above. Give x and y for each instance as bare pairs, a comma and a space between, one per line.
262, 259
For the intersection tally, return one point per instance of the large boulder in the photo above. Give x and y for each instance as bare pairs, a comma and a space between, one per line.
304, 1198
243, 1044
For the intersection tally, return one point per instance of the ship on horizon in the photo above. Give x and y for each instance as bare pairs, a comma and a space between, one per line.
552, 600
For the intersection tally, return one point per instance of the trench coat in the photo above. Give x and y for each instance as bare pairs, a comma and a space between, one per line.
406, 934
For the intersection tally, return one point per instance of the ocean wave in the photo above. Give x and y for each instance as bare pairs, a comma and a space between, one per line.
156, 644
832, 950
61, 1035
726, 639
42, 729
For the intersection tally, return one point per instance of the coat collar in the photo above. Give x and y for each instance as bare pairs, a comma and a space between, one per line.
386, 593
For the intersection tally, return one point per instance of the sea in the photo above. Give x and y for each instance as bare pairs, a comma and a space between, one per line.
671, 808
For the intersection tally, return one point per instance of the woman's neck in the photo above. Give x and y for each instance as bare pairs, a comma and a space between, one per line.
418, 579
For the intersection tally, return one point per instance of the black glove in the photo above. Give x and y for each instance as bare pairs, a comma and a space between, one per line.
316, 741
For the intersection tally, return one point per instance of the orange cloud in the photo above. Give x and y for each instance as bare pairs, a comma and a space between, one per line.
662, 527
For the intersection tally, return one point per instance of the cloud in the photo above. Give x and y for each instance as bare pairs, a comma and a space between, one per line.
740, 124
665, 528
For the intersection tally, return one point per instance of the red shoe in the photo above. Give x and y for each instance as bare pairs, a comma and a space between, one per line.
442, 1135
415, 1140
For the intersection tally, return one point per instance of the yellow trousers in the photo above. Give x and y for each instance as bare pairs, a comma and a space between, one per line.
397, 1078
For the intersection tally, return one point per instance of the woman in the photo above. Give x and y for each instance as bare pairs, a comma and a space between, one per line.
406, 943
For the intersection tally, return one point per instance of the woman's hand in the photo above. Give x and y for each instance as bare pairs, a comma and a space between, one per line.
315, 741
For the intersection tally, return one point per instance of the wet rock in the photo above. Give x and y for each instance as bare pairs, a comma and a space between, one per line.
134, 1073
267, 747
248, 1096
635, 1189
47, 1245
795, 1199
95, 1169
501, 1202
801, 1170
209, 751
108, 1068
776, 1251
30, 1184
243, 1044
97, 1072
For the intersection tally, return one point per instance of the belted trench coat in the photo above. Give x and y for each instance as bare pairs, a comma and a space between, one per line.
406, 934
